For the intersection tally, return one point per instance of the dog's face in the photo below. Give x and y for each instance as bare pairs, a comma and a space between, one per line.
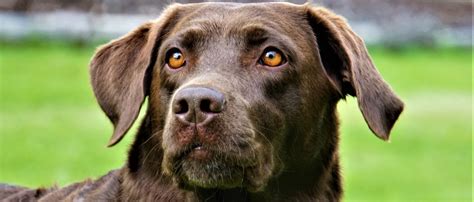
231, 85
236, 94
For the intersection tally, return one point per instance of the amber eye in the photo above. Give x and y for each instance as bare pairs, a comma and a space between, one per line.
175, 58
272, 57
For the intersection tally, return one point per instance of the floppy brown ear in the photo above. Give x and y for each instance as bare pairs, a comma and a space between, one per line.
119, 72
350, 69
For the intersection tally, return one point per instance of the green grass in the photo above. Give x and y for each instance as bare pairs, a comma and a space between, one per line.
52, 130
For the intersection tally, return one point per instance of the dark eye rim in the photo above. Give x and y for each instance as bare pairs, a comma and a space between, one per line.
284, 59
169, 54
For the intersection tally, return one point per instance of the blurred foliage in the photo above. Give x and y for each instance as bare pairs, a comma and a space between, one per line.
52, 130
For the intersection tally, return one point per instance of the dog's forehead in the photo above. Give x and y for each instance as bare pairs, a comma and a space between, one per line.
234, 16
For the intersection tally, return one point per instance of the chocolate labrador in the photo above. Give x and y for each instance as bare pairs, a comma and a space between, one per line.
241, 105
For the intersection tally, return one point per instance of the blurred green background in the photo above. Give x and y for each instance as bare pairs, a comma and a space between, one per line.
53, 132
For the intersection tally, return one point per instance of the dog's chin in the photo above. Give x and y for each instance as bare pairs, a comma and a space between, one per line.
208, 170
218, 175
210, 175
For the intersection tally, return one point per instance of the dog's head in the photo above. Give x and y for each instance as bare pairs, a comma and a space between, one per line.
233, 87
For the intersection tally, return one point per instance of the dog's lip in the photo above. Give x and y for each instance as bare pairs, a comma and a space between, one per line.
199, 152
196, 146
241, 154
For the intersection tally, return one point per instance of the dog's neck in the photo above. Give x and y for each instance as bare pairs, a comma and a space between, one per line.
305, 178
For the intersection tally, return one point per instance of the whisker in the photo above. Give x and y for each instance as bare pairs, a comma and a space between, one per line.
151, 136
154, 146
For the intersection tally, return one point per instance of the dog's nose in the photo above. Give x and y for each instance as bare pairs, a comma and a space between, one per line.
197, 104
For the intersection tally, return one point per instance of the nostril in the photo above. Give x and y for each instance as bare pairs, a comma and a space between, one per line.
211, 106
182, 107
205, 106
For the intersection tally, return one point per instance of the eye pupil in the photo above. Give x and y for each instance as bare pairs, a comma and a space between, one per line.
271, 54
176, 56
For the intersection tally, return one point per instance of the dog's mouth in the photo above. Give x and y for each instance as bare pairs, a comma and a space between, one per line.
201, 166
213, 166
197, 151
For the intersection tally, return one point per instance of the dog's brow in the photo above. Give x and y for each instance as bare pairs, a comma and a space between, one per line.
192, 36
197, 31
254, 35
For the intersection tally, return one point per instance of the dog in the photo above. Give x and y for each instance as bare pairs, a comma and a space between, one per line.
241, 105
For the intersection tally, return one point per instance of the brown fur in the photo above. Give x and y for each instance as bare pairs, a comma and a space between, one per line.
277, 137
